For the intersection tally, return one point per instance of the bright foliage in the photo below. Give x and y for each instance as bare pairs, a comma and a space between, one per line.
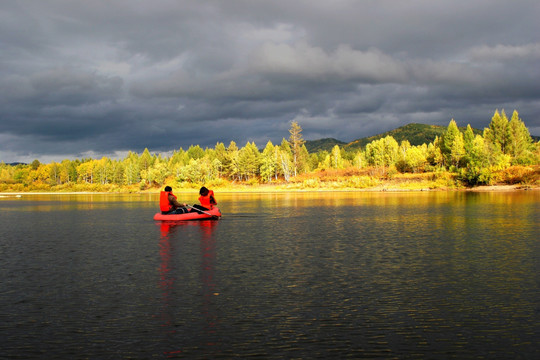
473, 158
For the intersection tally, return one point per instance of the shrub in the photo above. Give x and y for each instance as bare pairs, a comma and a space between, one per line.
474, 175
311, 183
518, 174
361, 182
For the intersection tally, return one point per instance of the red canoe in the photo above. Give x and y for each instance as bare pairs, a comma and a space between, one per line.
213, 213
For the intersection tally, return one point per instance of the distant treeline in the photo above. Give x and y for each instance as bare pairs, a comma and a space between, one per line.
472, 157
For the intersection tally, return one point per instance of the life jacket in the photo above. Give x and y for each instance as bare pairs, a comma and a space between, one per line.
164, 203
208, 201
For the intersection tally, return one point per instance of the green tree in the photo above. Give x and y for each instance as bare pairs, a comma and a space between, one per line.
296, 142
382, 152
451, 144
132, 170
117, 172
85, 171
146, 160
303, 160
468, 138
54, 173
157, 173
192, 172
359, 159
520, 144
434, 154
313, 161
284, 156
69, 171
35, 164
178, 157
216, 167
477, 169
103, 171
411, 158
231, 165
268, 162
497, 133
336, 161
457, 151
20, 175
248, 160
195, 152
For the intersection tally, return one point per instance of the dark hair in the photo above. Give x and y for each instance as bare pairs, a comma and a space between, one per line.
168, 188
204, 191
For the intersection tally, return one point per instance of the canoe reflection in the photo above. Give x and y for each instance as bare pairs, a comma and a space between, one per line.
170, 235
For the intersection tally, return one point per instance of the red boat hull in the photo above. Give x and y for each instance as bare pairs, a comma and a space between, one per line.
210, 214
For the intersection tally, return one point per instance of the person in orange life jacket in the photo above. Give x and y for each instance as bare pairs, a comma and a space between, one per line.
168, 203
206, 199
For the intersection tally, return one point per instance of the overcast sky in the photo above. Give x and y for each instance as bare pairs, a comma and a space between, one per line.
101, 77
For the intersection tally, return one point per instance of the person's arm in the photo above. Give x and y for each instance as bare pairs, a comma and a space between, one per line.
212, 198
173, 201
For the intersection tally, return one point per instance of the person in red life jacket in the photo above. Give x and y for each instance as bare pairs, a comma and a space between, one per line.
207, 198
168, 203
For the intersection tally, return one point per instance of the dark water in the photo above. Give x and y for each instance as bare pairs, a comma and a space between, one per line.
310, 275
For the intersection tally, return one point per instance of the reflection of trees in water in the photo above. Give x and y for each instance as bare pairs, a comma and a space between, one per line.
207, 275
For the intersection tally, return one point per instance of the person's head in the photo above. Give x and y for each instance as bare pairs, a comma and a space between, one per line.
204, 191
168, 188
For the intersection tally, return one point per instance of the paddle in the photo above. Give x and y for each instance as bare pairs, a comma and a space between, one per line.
215, 217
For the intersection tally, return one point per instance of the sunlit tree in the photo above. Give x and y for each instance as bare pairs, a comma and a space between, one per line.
85, 171
195, 152
132, 170
303, 160
477, 169
411, 158
286, 164
336, 161
179, 157
146, 160
231, 166
296, 141
520, 144
497, 133
248, 160
268, 162
451, 144
382, 152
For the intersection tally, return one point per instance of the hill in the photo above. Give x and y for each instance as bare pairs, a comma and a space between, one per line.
327, 144
416, 134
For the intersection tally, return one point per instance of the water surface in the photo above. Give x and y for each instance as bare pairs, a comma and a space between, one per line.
298, 275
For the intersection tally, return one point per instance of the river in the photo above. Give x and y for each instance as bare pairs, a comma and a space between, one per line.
339, 275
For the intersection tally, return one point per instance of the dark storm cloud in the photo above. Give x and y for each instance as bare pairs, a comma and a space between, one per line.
104, 77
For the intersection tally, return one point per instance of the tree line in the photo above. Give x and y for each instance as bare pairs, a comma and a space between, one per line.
473, 158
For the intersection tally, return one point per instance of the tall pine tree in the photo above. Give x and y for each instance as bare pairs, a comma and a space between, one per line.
497, 133
450, 150
519, 144
296, 141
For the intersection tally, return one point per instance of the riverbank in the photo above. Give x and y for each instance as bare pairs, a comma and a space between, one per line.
281, 189
352, 180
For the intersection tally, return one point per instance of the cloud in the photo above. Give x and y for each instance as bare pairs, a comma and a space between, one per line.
505, 53
344, 64
105, 77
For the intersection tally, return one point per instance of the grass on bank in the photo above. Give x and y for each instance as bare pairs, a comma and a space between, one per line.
352, 179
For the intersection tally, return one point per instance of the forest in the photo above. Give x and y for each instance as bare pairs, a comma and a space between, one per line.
504, 153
